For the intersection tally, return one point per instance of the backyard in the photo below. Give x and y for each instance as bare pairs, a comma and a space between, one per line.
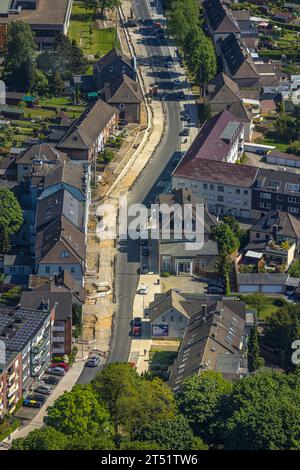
88, 33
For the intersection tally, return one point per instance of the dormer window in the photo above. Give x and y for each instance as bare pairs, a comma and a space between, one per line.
65, 254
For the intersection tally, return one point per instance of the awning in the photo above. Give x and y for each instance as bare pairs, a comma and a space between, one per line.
254, 254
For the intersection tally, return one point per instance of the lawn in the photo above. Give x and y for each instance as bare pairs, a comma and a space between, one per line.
274, 304
83, 29
280, 144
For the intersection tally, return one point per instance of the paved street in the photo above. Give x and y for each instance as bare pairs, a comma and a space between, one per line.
147, 186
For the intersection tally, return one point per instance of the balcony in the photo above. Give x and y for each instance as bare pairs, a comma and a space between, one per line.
58, 328
58, 339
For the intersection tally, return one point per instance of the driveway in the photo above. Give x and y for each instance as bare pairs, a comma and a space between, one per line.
186, 284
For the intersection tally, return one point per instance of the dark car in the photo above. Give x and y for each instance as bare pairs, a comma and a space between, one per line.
39, 398
181, 95
51, 380
32, 403
215, 290
131, 23
123, 122
137, 326
145, 251
186, 131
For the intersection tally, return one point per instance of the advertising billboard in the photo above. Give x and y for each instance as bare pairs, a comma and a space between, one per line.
160, 330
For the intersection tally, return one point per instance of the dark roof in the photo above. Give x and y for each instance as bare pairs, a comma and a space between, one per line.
239, 111
277, 181
49, 208
219, 17
128, 91
241, 15
262, 278
69, 173
61, 300
41, 153
216, 172
84, 132
59, 236
286, 224
222, 89
108, 58
47, 13
214, 332
239, 62
215, 138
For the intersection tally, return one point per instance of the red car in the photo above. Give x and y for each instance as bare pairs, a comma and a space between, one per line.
157, 25
64, 365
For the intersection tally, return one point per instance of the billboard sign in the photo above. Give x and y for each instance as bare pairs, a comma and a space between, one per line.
160, 330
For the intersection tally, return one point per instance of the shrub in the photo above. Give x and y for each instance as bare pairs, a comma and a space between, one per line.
165, 274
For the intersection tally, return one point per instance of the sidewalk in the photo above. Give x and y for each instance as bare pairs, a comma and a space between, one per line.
65, 385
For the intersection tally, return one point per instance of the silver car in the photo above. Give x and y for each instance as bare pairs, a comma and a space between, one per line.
93, 361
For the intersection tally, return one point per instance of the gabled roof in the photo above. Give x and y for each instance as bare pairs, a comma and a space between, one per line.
239, 62
69, 173
219, 17
222, 89
214, 139
41, 153
213, 334
239, 111
59, 236
108, 58
128, 92
84, 132
61, 300
164, 302
286, 224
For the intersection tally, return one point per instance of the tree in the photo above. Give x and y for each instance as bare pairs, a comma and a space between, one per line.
41, 84
199, 400
200, 55
88, 441
132, 400
46, 438
261, 413
79, 411
20, 64
225, 238
102, 5
224, 267
11, 217
57, 84
258, 301
171, 434
182, 17
139, 445
255, 361
283, 329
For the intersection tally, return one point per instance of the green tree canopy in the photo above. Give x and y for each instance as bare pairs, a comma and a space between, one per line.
200, 55
283, 329
79, 411
11, 217
46, 438
262, 413
225, 238
182, 17
20, 63
199, 400
171, 433
255, 361
132, 400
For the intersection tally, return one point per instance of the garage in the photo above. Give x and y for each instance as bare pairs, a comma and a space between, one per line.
268, 283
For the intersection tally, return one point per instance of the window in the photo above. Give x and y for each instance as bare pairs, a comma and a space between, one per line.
293, 187
212, 187
265, 205
245, 191
279, 198
172, 317
111, 69
180, 318
21, 269
257, 235
220, 199
122, 106
293, 210
65, 254
294, 200
60, 269
47, 269
265, 195
278, 207
204, 185
72, 269
163, 318
12, 270
221, 189
237, 191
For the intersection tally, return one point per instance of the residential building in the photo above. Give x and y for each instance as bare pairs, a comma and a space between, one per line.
87, 136
219, 20
38, 154
60, 305
245, 23
111, 68
46, 18
225, 187
278, 226
221, 138
183, 256
215, 339
126, 97
238, 63
27, 336
60, 246
275, 190
63, 282
274, 256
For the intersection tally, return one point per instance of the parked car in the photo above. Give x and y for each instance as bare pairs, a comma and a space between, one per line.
215, 290
137, 326
63, 365
177, 83
260, 152
185, 131
44, 389
187, 117
143, 290
181, 95
51, 380
39, 398
93, 361
144, 269
169, 64
145, 251
131, 23
56, 371
157, 25
32, 403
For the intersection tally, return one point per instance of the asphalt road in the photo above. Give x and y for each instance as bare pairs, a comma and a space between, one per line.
146, 187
